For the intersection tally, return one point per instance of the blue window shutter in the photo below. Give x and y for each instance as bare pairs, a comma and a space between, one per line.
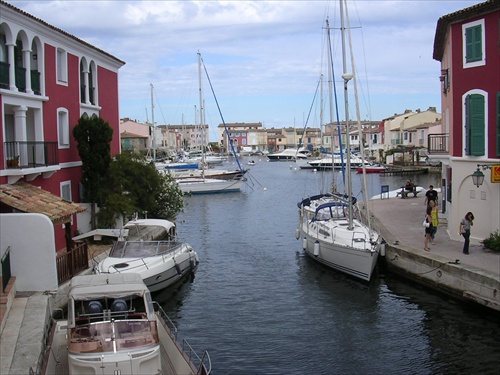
475, 125
473, 44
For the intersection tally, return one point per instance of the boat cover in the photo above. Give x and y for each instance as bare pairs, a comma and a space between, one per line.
116, 285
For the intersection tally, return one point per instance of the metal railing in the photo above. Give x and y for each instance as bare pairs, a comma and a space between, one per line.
437, 143
203, 364
21, 154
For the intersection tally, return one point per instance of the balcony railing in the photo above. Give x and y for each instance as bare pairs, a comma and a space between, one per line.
20, 78
437, 144
30, 154
35, 82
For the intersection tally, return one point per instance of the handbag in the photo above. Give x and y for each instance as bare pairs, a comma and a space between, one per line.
426, 224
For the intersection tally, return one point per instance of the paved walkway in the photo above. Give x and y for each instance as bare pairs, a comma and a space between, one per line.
401, 220
21, 340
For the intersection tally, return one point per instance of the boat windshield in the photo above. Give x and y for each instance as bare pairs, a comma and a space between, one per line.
142, 249
330, 211
112, 336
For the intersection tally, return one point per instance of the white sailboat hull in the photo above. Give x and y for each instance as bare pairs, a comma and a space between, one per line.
209, 185
338, 249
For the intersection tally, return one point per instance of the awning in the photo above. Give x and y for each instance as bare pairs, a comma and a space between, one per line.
29, 198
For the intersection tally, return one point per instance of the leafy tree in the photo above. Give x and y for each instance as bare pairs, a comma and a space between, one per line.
136, 186
93, 136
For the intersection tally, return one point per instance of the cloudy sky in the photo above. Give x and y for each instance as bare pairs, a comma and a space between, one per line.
264, 58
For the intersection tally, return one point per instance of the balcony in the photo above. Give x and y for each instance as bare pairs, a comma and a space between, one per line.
20, 78
20, 155
437, 144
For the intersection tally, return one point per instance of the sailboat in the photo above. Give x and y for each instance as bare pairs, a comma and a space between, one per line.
330, 225
202, 184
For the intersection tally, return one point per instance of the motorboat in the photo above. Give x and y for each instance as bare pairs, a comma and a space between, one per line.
372, 169
331, 162
290, 154
160, 262
329, 238
113, 327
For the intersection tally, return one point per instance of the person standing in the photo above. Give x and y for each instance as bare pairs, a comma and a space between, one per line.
435, 219
464, 230
428, 229
431, 195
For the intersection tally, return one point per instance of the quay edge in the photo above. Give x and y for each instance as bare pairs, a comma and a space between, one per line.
469, 278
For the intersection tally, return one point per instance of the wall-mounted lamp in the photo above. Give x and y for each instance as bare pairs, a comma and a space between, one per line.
478, 176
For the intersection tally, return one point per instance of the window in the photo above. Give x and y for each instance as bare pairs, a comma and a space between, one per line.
66, 190
474, 125
62, 65
473, 44
63, 128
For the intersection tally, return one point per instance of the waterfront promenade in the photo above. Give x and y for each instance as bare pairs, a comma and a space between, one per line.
401, 220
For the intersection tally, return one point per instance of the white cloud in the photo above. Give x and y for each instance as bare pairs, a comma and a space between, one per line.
263, 57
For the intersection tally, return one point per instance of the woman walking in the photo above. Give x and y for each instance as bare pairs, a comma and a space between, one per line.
428, 229
464, 230
435, 219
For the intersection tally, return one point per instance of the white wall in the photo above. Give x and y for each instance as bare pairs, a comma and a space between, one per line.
32, 250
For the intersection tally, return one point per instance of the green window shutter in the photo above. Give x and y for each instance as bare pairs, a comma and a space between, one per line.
498, 123
473, 44
474, 125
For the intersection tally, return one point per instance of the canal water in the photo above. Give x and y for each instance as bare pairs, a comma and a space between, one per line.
259, 305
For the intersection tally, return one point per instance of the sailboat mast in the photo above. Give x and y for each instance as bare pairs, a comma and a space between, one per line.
153, 120
346, 77
201, 117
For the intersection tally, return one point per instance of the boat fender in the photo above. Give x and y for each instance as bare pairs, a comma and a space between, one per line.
316, 249
178, 268
297, 233
304, 243
382, 249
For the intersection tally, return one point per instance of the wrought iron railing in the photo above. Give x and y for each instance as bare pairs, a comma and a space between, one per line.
437, 144
20, 78
20, 154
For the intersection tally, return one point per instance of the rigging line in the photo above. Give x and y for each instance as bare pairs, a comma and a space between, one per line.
309, 113
331, 72
162, 115
358, 114
222, 117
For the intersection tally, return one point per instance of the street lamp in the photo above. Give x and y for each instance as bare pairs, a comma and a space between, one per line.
478, 176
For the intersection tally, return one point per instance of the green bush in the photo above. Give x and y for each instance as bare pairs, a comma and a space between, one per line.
493, 241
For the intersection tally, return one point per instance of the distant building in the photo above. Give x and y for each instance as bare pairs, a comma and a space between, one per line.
467, 44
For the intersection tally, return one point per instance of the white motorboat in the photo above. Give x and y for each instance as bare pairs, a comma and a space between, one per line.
160, 263
330, 225
114, 327
290, 154
330, 162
